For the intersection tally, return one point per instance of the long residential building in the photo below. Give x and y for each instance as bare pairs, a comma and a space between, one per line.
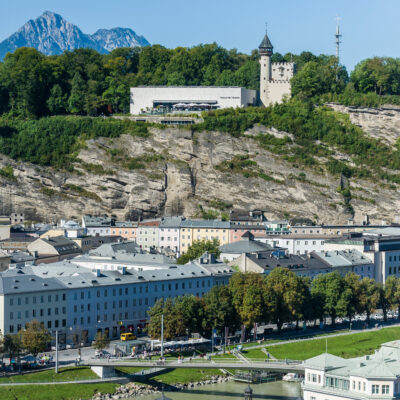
79, 301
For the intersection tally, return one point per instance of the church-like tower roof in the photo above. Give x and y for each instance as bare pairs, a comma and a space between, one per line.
265, 43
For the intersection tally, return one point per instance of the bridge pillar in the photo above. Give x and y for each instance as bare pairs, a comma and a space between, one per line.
103, 372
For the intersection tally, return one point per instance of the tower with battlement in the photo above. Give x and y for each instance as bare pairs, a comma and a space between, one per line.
274, 77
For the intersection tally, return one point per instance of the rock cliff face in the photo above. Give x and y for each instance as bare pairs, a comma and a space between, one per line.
175, 171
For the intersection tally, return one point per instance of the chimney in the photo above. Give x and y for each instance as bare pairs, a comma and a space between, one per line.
123, 272
98, 273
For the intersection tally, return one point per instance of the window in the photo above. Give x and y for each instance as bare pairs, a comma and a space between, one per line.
359, 385
11, 315
364, 386
385, 389
375, 389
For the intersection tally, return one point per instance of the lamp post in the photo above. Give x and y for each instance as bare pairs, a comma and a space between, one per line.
162, 335
57, 351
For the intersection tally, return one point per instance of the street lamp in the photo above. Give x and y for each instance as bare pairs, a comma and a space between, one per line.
56, 351
162, 335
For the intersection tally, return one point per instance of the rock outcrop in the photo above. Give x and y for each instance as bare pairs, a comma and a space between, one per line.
175, 173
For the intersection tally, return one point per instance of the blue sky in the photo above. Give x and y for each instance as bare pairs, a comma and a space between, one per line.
369, 27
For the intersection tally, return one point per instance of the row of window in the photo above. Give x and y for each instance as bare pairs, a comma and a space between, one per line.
50, 325
36, 313
125, 291
199, 230
384, 389
36, 299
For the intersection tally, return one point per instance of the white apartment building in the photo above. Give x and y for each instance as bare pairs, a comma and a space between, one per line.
97, 226
169, 233
122, 256
328, 377
81, 302
25, 296
384, 251
294, 244
147, 234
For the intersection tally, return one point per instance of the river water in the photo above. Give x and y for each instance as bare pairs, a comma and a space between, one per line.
234, 390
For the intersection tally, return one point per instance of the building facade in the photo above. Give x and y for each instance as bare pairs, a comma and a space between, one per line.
194, 230
127, 230
147, 234
80, 302
146, 98
328, 377
169, 233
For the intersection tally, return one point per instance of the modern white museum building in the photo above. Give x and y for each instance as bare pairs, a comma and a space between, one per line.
189, 98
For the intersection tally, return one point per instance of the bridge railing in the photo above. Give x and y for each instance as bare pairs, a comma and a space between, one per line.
167, 362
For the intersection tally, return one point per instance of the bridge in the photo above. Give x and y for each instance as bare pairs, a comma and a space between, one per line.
106, 368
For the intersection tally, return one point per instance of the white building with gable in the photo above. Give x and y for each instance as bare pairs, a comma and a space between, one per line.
328, 377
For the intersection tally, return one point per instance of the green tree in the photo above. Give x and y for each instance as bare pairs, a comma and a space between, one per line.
392, 292
12, 345
369, 296
166, 308
187, 315
218, 310
198, 248
34, 338
57, 102
329, 287
101, 341
77, 99
285, 294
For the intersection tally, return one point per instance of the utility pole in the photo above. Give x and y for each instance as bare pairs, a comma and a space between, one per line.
56, 351
162, 335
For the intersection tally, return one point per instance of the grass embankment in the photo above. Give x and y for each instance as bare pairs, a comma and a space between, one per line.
184, 376
64, 375
353, 345
51, 392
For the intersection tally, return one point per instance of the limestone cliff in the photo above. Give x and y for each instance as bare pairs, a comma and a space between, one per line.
175, 171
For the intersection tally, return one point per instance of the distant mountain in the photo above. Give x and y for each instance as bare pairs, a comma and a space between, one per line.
111, 39
52, 34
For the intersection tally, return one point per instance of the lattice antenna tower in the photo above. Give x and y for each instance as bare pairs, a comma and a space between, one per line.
337, 37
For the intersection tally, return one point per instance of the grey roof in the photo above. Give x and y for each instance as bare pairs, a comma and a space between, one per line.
208, 223
17, 280
171, 222
94, 221
126, 252
112, 249
267, 260
265, 42
384, 363
245, 246
125, 224
342, 258
62, 244
389, 231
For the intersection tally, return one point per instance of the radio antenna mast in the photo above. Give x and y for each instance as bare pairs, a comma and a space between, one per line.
337, 37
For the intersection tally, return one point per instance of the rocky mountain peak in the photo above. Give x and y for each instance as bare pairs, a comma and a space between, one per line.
51, 34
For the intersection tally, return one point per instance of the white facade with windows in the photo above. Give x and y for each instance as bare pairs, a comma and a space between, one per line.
145, 98
295, 245
78, 302
147, 236
329, 377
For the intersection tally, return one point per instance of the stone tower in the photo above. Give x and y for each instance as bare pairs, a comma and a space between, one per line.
265, 50
274, 77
